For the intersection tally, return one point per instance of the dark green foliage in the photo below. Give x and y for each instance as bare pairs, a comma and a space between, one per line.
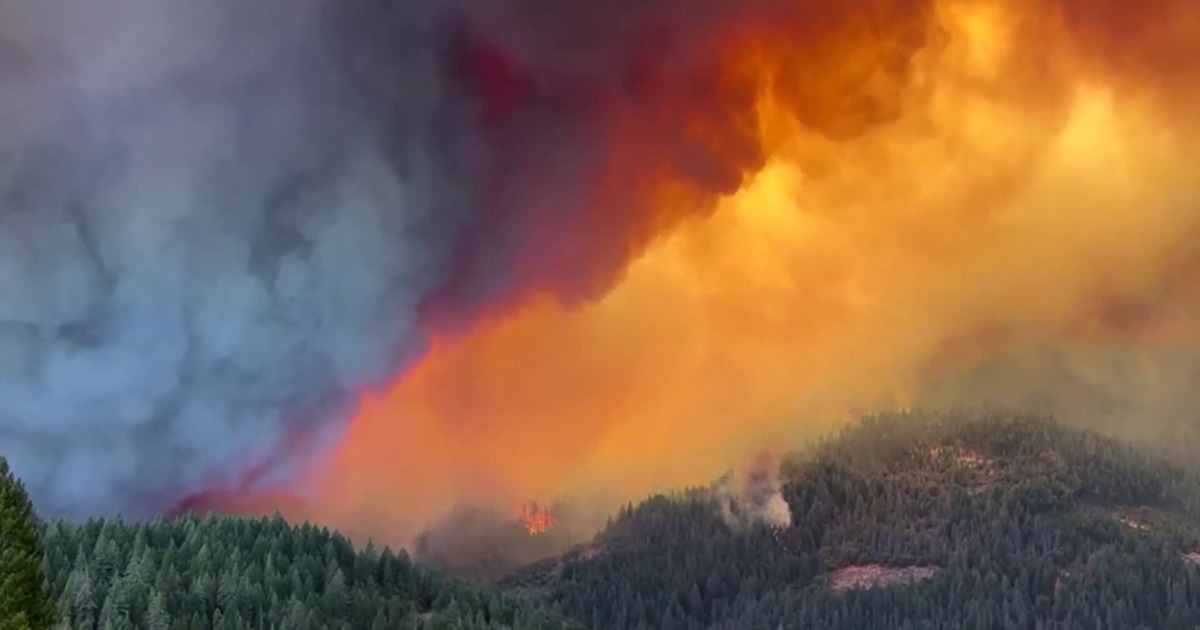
233, 574
1028, 524
25, 603
1015, 522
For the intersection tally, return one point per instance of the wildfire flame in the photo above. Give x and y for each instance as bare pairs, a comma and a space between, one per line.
536, 519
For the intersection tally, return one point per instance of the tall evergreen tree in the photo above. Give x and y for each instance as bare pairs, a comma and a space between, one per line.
25, 602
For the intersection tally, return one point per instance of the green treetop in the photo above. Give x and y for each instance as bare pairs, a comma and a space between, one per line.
25, 602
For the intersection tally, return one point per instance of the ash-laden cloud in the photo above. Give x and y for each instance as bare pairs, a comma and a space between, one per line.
220, 220
223, 221
216, 222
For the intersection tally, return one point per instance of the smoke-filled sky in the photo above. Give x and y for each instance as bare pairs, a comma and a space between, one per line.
397, 256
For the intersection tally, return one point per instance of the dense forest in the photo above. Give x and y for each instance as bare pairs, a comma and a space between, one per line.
228, 573
977, 519
974, 519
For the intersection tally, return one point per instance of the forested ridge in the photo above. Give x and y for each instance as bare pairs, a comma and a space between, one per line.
983, 519
974, 519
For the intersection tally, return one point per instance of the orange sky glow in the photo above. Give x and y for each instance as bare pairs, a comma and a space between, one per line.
1028, 170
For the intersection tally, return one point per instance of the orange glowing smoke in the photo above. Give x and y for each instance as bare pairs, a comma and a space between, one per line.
537, 520
924, 184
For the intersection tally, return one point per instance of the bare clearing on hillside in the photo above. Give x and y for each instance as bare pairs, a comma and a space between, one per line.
875, 575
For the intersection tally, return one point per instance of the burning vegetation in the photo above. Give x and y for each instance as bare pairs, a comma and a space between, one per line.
538, 520
483, 543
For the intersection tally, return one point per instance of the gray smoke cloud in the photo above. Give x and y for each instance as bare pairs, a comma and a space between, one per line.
216, 222
221, 220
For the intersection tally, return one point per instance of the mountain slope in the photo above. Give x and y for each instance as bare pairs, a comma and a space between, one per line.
976, 519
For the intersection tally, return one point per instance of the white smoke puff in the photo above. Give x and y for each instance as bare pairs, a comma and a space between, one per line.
204, 249
753, 495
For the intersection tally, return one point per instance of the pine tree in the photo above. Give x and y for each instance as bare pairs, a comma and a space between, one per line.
157, 617
25, 602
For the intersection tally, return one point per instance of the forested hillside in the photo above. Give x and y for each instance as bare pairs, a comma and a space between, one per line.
230, 574
970, 520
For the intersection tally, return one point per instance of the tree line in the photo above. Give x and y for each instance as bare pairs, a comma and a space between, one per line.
225, 573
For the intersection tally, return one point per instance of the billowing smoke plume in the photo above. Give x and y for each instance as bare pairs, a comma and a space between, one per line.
216, 222
771, 216
753, 495
639, 238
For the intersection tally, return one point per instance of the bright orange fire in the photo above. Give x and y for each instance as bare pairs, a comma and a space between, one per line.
537, 520
986, 174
